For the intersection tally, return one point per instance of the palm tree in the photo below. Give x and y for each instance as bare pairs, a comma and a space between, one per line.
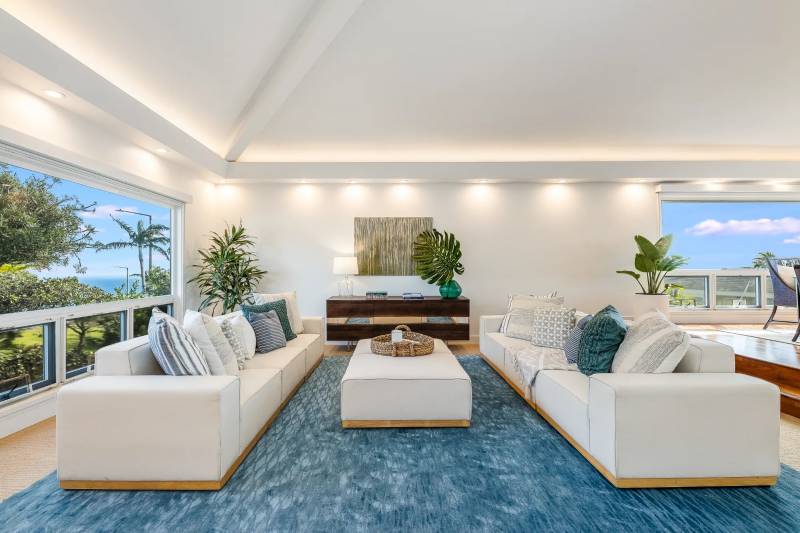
151, 236
760, 261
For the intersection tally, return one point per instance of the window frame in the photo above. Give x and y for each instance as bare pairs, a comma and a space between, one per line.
30, 160
734, 192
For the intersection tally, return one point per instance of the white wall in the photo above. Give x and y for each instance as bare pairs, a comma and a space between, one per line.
528, 238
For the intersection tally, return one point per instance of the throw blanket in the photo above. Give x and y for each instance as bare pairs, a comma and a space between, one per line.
530, 361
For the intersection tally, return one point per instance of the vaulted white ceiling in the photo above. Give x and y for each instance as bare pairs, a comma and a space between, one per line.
277, 81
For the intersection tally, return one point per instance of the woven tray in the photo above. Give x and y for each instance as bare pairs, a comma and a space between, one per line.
413, 344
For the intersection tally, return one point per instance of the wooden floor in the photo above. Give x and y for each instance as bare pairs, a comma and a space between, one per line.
774, 361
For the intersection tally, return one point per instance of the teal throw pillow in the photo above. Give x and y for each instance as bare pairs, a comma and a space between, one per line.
279, 306
600, 341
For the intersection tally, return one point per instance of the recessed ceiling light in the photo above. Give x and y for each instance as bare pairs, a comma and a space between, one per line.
55, 94
161, 150
351, 182
303, 181
641, 180
403, 181
484, 181
562, 181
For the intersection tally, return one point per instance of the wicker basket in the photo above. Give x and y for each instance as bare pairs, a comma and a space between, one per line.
413, 344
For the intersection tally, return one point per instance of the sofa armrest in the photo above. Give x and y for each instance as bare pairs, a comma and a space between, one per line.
313, 324
706, 355
684, 425
147, 428
490, 323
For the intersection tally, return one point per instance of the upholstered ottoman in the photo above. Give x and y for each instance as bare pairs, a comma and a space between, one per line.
394, 392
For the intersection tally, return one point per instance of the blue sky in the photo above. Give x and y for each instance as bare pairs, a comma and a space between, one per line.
104, 264
731, 234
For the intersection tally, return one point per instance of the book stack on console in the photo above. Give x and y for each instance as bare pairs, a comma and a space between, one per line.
377, 295
413, 296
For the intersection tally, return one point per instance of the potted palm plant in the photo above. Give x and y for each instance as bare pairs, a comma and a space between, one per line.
228, 270
652, 264
437, 256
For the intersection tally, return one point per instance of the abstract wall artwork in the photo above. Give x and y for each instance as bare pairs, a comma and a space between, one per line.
385, 245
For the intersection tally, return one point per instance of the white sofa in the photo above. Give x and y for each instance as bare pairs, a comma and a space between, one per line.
703, 425
131, 427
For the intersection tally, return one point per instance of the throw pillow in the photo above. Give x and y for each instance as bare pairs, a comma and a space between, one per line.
652, 345
269, 332
573, 341
291, 306
243, 329
524, 302
279, 306
600, 341
518, 324
786, 273
230, 334
208, 335
551, 326
173, 347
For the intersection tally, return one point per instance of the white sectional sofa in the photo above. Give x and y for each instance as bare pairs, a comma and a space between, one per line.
703, 425
131, 427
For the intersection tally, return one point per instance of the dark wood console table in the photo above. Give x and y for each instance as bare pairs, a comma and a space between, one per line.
350, 318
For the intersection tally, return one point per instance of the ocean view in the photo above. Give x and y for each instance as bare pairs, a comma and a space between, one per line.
108, 284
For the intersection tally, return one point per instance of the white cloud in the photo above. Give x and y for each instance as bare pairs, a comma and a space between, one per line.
793, 240
106, 211
758, 226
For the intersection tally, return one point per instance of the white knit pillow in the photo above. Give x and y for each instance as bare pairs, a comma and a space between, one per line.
652, 345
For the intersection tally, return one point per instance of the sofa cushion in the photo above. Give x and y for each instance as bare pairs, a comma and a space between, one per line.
259, 398
652, 345
564, 396
173, 347
551, 326
279, 306
600, 340
292, 308
573, 342
290, 360
268, 330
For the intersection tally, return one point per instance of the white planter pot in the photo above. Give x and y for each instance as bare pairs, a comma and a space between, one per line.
642, 303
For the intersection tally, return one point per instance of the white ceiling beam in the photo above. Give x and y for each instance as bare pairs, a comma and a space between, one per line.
32, 50
514, 171
314, 35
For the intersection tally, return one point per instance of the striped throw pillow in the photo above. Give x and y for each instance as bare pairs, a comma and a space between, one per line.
173, 347
573, 342
268, 330
279, 306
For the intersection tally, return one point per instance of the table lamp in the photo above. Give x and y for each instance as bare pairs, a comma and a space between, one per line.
346, 266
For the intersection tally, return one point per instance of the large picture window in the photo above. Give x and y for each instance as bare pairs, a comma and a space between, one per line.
81, 267
727, 245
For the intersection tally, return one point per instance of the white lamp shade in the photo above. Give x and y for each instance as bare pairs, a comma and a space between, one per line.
345, 265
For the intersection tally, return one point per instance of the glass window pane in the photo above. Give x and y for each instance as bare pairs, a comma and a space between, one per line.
86, 335
693, 293
141, 318
66, 244
25, 360
770, 293
735, 292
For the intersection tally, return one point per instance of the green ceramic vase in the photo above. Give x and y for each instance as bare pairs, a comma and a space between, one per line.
450, 290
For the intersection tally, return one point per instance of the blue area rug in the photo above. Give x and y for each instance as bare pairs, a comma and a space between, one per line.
509, 472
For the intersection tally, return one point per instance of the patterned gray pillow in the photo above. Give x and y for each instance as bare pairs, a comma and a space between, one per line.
233, 340
173, 347
518, 324
573, 341
551, 326
269, 331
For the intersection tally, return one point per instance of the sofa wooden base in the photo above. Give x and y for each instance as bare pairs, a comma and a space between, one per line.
639, 483
188, 485
378, 424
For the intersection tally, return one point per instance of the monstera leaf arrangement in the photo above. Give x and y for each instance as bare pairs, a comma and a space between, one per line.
228, 269
652, 265
438, 260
